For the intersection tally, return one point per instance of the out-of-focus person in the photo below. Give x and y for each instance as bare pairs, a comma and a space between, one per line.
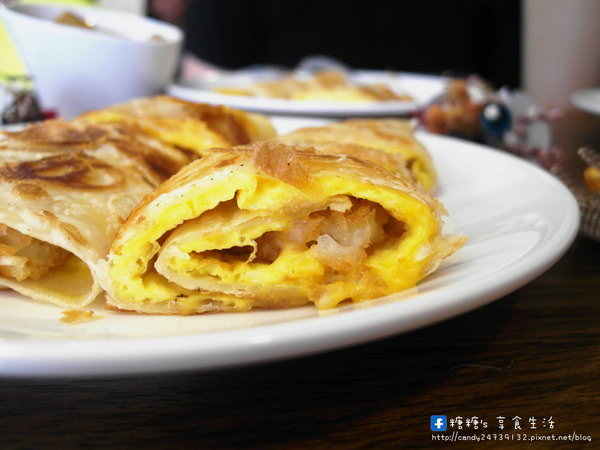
462, 36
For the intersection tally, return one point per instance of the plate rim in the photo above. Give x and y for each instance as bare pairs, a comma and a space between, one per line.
98, 356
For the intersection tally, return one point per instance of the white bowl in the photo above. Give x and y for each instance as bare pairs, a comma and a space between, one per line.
76, 70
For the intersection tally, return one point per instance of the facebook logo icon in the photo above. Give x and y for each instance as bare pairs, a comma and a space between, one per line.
438, 423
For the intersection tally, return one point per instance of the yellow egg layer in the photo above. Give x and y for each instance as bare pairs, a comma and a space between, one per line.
397, 264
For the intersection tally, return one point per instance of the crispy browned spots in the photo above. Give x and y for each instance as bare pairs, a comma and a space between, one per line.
59, 132
73, 170
157, 160
73, 232
29, 191
280, 162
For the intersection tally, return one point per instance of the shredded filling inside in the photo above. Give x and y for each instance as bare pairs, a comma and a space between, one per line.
23, 257
341, 239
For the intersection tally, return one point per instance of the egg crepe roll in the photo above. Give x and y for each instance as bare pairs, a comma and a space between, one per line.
61, 205
189, 126
393, 136
271, 225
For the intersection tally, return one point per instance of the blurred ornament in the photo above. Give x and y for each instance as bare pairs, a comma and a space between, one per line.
510, 120
19, 103
531, 134
495, 119
456, 112
591, 175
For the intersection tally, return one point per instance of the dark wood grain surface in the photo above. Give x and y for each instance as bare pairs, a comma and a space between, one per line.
533, 353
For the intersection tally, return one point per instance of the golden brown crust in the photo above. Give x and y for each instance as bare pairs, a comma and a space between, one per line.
288, 162
29, 191
280, 162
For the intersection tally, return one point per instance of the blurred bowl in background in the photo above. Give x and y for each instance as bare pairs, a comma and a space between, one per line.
77, 69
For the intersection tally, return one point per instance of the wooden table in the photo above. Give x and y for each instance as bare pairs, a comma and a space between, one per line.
534, 353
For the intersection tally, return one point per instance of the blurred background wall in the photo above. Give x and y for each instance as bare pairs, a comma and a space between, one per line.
561, 54
460, 36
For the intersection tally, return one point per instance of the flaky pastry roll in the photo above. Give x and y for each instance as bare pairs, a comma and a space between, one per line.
190, 126
394, 136
270, 225
64, 192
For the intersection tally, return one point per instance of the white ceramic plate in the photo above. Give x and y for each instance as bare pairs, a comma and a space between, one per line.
587, 100
422, 88
519, 220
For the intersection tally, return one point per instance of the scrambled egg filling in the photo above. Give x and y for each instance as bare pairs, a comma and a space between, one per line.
250, 240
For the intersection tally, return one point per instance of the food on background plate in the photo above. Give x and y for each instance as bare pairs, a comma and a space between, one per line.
331, 86
392, 136
72, 19
191, 127
271, 225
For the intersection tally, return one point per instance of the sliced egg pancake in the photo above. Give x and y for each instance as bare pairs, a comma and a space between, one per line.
271, 225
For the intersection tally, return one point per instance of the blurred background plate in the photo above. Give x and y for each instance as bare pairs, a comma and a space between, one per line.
422, 88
